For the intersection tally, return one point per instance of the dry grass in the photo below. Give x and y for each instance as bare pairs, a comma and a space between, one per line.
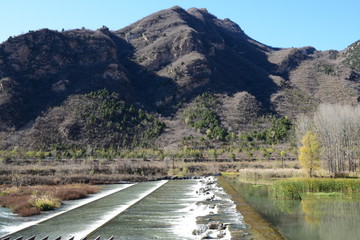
33, 172
74, 191
25, 209
45, 202
31, 200
45, 172
270, 173
19, 201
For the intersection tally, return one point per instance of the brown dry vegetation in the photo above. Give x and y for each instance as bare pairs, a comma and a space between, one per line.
52, 172
58, 172
256, 174
31, 200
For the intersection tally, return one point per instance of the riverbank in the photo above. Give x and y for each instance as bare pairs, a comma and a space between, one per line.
259, 228
111, 171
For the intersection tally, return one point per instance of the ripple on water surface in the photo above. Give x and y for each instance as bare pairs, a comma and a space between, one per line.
178, 210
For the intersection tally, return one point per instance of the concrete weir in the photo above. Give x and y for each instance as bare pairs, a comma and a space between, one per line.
58, 238
81, 221
168, 209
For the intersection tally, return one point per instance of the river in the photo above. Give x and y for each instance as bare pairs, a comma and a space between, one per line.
181, 209
320, 218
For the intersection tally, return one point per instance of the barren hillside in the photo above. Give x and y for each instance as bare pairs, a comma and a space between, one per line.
147, 84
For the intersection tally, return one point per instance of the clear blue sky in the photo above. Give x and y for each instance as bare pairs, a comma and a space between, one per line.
324, 24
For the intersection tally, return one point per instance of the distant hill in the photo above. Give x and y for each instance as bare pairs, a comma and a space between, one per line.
142, 85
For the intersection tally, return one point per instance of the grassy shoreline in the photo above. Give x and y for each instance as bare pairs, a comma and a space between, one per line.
296, 188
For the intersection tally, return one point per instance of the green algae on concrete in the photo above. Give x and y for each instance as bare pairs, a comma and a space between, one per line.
259, 228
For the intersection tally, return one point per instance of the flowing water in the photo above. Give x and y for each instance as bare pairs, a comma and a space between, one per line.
328, 218
10, 222
182, 209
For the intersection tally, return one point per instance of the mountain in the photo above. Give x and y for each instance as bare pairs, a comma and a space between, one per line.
147, 84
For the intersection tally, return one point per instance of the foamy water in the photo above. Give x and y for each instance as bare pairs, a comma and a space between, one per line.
185, 225
206, 199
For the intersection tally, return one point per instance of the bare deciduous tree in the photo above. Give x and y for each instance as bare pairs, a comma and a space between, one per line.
338, 130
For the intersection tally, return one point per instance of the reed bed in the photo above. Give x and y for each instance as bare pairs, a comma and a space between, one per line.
249, 173
295, 188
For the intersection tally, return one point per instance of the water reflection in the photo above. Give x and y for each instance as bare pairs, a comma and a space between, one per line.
312, 212
333, 218
312, 218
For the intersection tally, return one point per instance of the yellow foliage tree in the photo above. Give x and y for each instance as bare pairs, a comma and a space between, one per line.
309, 156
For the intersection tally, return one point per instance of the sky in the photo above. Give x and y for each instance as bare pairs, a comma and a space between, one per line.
323, 24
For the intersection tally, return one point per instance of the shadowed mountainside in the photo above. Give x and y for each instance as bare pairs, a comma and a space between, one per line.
57, 87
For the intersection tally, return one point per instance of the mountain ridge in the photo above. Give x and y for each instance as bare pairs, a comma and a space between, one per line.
159, 65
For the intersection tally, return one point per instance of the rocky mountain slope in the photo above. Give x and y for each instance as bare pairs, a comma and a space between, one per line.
119, 88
